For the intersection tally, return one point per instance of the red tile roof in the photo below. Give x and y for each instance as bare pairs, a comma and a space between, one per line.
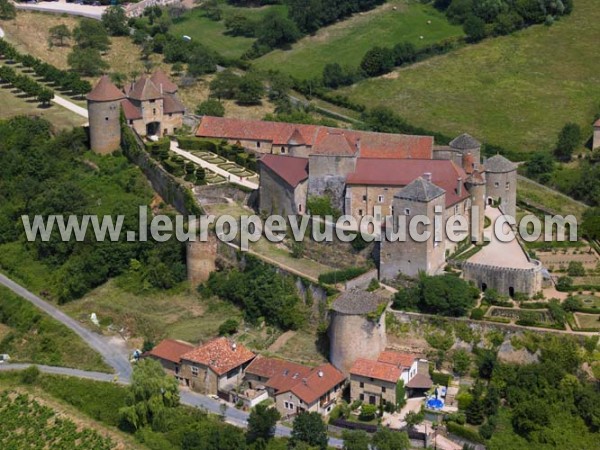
170, 350
220, 355
291, 169
161, 80
319, 381
272, 367
403, 360
372, 145
401, 172
131, 111
105, 91
285, 374
334, 142
376, 369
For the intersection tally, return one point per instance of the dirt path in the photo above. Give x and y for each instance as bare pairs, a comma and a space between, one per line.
281, 341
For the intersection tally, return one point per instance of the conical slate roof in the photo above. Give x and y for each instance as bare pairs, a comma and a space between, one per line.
144, 89
357, 301
160, 79
105, 91
499, 164
465, 142
420, 190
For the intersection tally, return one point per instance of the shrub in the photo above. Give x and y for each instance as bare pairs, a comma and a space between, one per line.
30, 375
193, 143
338, 276
442, 379
229, 327
477, 314
367, 412
464, 432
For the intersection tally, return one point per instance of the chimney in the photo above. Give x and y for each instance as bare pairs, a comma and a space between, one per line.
233, 346
459, 186
357, 145
427, 176
305, 381
320, 373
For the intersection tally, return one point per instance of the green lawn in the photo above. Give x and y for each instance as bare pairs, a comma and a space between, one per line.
212, 34
588, 320
346, 42
515, 91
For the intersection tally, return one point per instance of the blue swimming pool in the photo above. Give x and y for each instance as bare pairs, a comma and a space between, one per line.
434, 403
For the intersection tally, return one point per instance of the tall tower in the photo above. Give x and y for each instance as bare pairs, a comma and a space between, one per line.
419, 198
476, 186
465, 143
104, 109
501, 184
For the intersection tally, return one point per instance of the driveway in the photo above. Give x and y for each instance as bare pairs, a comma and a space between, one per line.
62, 7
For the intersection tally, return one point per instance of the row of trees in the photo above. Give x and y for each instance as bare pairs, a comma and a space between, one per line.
28, 85
63, 79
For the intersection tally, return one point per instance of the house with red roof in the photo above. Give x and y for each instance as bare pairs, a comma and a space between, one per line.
295, 387
375, 381
218, 365
168, 353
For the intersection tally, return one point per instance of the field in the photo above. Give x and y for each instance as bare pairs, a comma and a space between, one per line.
13, 105
212, 33
552, 201
346, 42
515, 91
587, 320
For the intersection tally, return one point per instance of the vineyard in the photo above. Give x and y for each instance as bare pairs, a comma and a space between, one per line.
27, 424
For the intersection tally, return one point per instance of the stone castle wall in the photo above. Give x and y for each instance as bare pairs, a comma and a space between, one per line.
505, 280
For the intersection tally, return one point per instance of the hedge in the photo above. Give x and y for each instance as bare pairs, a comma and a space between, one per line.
464, 432
443, 379
338, 276
193, 143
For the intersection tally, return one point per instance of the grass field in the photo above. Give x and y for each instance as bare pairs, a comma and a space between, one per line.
346, 42
587, 320
515, 91
212, 33
13, 105
553, 201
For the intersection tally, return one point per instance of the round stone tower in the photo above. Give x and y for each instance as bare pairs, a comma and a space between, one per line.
104, 110
476, 186
201, 260
357, 328
465, 143
501, 184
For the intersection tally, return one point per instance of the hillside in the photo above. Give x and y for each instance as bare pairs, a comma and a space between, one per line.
515, 91
346, 42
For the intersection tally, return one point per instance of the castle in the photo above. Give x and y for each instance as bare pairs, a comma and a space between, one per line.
150, 106
358, 171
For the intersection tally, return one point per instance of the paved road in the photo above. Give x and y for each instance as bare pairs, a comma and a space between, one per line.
113, 355
62, 7
79, 110
232, 416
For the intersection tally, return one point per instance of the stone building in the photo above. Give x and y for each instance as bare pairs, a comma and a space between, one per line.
218, 365
283, 184
150, 106
596, 137
357, 317
168, 353
104, 110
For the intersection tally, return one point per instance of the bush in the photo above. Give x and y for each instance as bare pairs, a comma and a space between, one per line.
442, 379
338, 276
30, 375
464, 432
193, 143
211, 107
477, 314
367, 412
229, 327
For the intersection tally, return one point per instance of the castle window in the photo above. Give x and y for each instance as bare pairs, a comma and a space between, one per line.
282, 150
360, 212
364, 198
407, 212
362, 385
106, 118
152, 101
383, 389
496, 184
194, 371
380, 199
362, 397
131, 122
299, 208
457, 209
257, 144
507, 185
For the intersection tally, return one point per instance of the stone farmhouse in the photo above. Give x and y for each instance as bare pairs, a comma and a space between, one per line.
150, 107
297, 388
169, 353
378, 174
375, 381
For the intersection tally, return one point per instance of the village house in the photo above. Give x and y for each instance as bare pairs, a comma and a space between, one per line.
218, 365
168, 353
297, 388
374, 381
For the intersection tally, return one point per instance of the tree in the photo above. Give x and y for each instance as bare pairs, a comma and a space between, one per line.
386, 439
45, 96
225, 85
59, 33
461, 361
201, 62
310, 429
475, 414
356, 440
404, 52
91, 34
474, 28
211, 107
575, 269
150, 393
530, 416
250, 90
400, 394
591, 223
229, 327
7, 10
261, 423
540, 164
86, 61
114, 20
276, 30
377, 61
333, 75
569, 139
239, 25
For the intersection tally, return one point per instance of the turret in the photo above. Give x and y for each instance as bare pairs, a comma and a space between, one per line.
104, 109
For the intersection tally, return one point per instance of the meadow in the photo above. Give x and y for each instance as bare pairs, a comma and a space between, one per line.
515, 91
346, 42
212, 33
